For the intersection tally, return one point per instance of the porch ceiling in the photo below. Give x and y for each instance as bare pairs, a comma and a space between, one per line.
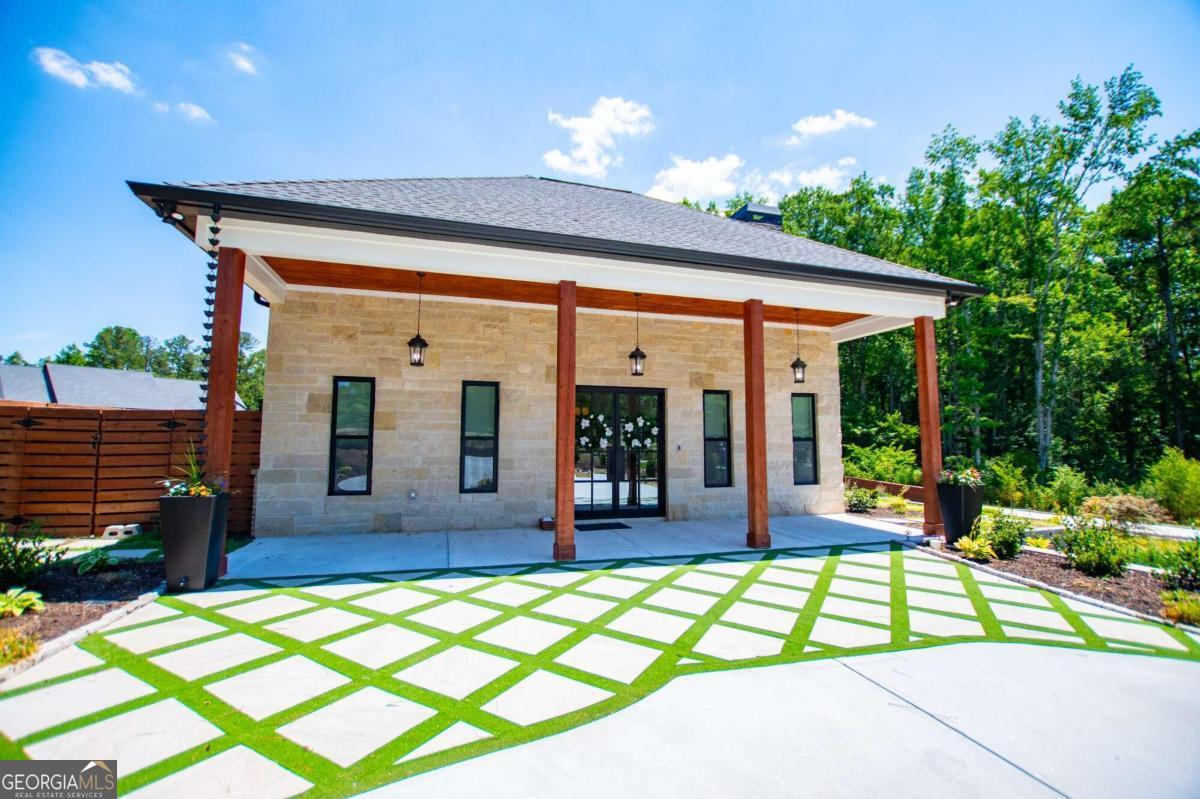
299, 272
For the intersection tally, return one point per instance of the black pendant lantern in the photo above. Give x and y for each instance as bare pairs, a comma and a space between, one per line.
637, 358
798, 365
416, 344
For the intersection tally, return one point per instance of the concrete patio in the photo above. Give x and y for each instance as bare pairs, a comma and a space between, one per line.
381, 552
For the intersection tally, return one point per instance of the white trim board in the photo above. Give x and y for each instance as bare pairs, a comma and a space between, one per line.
399, 252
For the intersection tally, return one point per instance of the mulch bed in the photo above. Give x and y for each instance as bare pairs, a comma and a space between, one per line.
1135, 590
73, 600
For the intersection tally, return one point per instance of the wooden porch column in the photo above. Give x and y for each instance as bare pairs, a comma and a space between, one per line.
564, 436
757, 534
222, 364
929, 411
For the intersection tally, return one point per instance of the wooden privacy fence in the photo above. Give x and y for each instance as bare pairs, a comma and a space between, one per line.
78, 470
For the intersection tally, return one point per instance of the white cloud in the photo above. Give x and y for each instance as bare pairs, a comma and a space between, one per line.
822, 124
61, 65
826, 176
593, 138
242, 57
193, 112
848, 160
160, 106
697, 180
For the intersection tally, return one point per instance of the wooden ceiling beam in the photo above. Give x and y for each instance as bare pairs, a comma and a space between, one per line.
297, 272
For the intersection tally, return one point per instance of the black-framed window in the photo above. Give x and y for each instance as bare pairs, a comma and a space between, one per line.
351, 433
478, 461
718, 452
804, 439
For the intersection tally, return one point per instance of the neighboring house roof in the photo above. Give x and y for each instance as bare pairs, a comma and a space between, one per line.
548, 214
59, 384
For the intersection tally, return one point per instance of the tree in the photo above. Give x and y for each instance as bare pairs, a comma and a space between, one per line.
182, 358
15, 359
252, 365
117, 347
70, 355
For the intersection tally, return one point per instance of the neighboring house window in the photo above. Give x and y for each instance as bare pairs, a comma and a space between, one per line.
352, 428
718, 455
480, 428
804, 439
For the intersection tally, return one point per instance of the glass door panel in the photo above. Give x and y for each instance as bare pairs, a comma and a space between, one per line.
619, 470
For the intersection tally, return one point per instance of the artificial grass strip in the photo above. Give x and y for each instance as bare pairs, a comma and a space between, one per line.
874, 565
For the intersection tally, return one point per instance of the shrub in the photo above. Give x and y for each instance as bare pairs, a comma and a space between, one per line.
1182, 567
15, 646
1181, 607
16, 601
1125, 508
1094, 548
97, 559
861, 500
975, 548
889, 464
1039, 541
897, 505
1004, 533
1175, 482
1067, 488
23, 554
1006, 481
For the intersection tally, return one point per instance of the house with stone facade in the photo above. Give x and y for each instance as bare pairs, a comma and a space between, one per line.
487, 353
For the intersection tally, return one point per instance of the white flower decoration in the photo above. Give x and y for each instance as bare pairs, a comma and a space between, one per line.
654, 430
608, 432
584, 440
640, 421
603, 443
600, 417
629, 427
584, 423
635, 443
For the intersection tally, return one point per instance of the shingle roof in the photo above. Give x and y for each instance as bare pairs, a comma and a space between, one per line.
95, 387
576, 210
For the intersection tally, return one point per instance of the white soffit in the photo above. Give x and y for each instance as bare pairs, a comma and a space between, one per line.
264, 239
868, 326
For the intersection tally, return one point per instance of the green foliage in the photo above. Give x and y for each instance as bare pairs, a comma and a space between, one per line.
1005, 480
96, 560
15, 646
16, 601
1068, 487
1182, 566
973, 548
887, 463
1003, 532
1128, 508
861, 500
897, 505
24, 553
1094, 547
889, 430
15, 359
1181, 607
1175, 482
1039, 541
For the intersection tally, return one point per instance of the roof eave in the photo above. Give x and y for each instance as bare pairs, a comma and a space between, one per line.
296, 212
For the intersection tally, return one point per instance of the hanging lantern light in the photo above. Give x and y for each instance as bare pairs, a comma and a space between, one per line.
798, 365
417, 344
637, 358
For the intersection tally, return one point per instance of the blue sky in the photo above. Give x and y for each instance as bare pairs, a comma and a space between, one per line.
698, 98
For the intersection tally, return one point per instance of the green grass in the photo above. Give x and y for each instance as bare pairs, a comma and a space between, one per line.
886, 565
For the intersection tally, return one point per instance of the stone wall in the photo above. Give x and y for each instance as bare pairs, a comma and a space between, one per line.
316, 335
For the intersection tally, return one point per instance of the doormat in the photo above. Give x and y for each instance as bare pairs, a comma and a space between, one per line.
602, 526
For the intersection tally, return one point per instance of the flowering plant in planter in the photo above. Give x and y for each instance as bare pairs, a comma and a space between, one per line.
970, 477
194, 482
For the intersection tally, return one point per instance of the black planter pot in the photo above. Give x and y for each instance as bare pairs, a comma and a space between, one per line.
193, 534
961, 506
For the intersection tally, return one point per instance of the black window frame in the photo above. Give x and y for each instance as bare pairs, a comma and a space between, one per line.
333, 489
462, 439
727, 438
813, 438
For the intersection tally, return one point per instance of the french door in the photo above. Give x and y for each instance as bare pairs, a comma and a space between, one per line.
620, 436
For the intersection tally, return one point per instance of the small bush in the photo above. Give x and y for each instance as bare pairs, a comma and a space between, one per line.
97, 560
1096, 549
1175, 482
1005, 480
1182, 567
861, 500
975, 548
1125, 508
889, 464
1003, 533
15, 646
1039, 541
897, 505
16, 601
1067, 488
23, 554
1181, 607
